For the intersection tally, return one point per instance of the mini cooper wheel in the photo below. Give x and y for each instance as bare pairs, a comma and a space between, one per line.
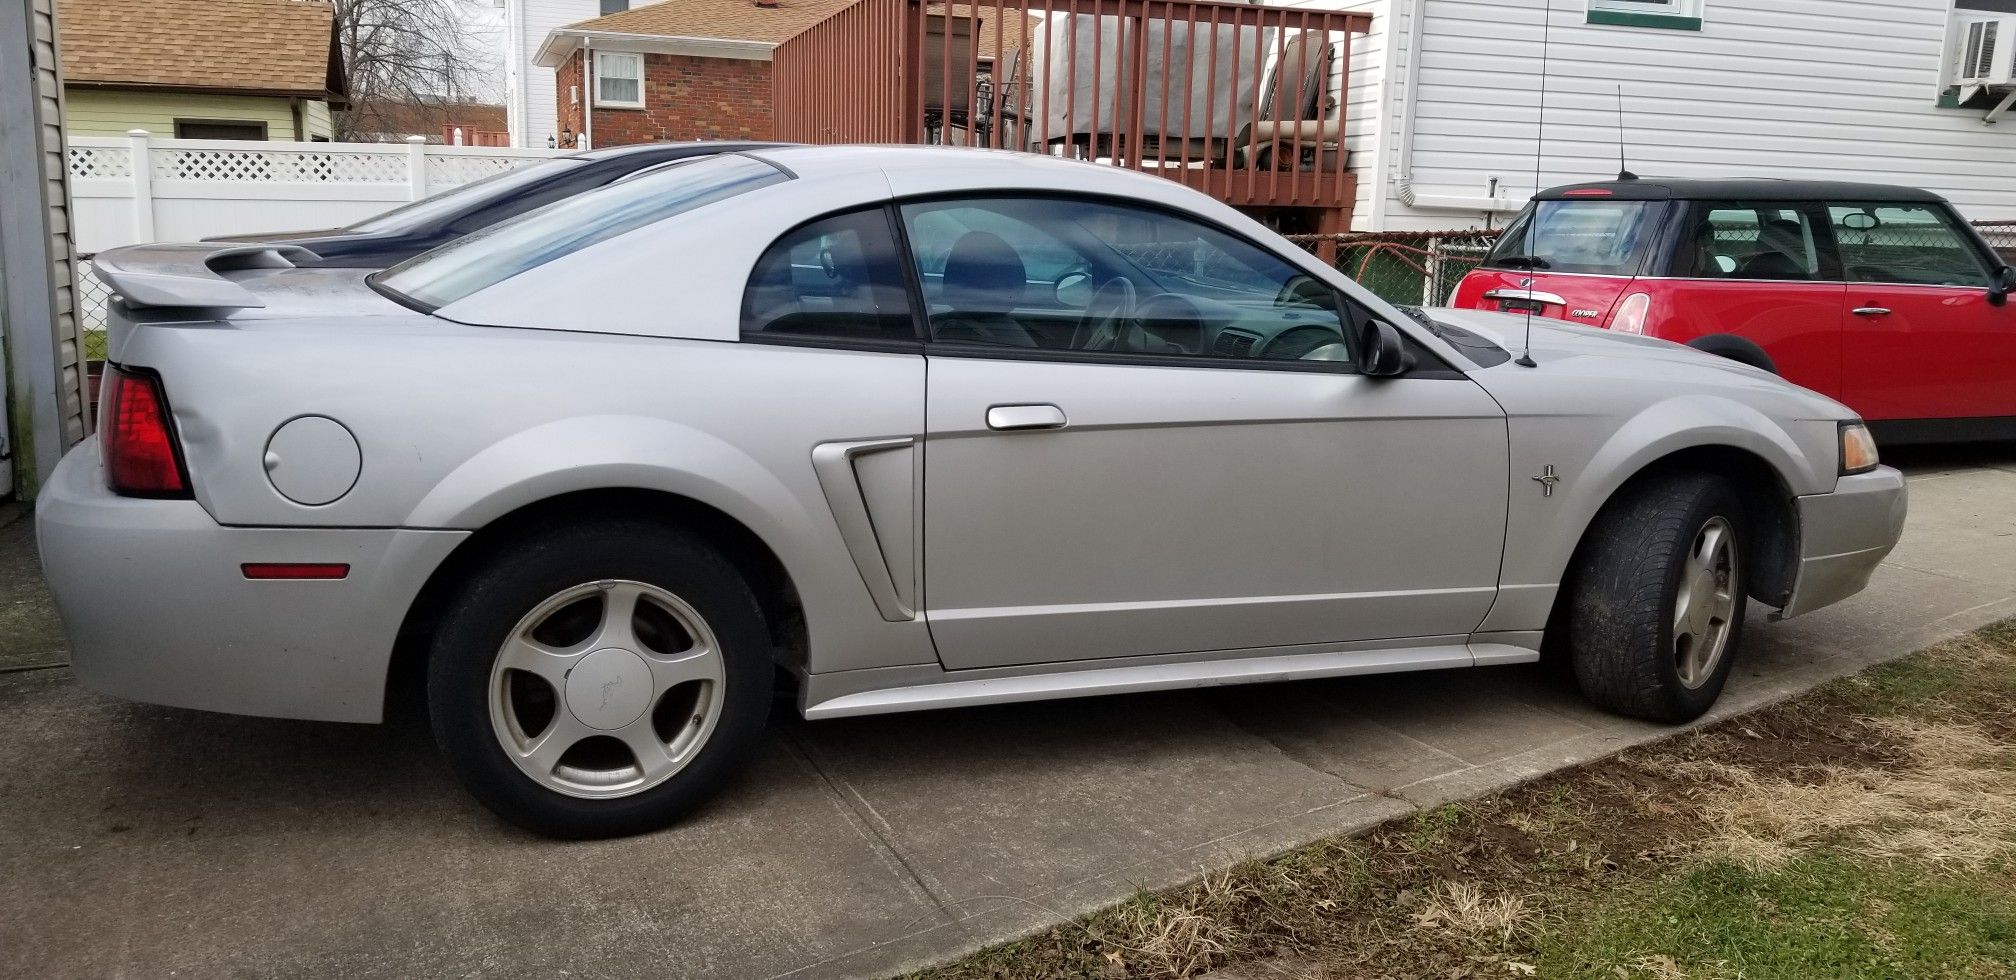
1656, 608
601, 680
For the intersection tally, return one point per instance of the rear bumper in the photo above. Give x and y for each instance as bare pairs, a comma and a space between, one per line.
157, 608
1844, 535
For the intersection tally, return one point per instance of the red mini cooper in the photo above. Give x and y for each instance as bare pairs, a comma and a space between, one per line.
1881, 297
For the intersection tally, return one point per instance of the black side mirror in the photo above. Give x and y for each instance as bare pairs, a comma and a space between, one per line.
2001, 285
1382, 351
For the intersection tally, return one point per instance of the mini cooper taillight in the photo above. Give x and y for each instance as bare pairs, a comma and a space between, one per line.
1630, 315
142, 458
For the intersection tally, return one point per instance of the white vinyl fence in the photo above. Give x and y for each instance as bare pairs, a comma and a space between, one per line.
142, 188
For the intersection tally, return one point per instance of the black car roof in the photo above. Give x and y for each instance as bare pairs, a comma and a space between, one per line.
669, 151
1737, 189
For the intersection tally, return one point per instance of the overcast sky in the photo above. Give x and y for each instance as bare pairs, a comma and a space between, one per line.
486, 21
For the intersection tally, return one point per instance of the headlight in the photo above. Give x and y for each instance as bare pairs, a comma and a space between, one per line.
1630, 315
1858, 448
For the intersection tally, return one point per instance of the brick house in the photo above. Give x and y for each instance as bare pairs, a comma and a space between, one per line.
687, 69
679, 70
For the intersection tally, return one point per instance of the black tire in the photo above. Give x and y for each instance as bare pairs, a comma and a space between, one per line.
518, 578
1742, 350
1624, 593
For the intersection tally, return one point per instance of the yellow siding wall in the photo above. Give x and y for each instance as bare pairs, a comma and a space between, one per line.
320, 122
111, 112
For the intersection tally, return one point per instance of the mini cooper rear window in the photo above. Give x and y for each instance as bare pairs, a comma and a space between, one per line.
435, 279
1595, 236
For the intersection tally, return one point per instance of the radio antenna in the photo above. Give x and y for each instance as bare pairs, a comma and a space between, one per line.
1533, 219
1623, 172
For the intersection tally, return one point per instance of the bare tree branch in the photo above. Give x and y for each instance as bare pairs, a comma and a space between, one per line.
400, 53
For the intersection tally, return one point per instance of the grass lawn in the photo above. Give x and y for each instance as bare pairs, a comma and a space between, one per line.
1867, 829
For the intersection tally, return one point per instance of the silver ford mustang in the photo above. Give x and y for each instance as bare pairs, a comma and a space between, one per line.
923, 428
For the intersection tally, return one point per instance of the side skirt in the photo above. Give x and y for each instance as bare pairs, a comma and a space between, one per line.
1922, 432
951, 689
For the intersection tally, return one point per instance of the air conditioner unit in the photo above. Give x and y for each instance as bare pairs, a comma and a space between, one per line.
1985, 53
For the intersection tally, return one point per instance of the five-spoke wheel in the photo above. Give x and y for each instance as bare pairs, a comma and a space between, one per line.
600, 679
1704, 602
606, 688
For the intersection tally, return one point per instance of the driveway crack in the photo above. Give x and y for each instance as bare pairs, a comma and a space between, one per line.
870, 825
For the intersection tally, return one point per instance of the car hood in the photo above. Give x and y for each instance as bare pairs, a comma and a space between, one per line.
1553, 339
1570, 358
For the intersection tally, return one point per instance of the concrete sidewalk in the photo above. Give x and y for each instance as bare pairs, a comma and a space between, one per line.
142, 841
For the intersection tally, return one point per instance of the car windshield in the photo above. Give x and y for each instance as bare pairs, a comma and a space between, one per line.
434, 279
433, 210
1591, 236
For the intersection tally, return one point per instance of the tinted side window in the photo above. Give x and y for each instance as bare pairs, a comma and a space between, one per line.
1754, 241
1067, 274
1904, 243
1588, 236
837, 278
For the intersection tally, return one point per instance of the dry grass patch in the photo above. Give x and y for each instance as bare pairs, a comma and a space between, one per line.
1865, 830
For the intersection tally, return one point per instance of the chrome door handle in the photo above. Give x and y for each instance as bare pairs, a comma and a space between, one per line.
1007, 417
1871, 311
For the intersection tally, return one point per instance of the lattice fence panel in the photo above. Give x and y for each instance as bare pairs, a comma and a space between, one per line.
447, 171
281, 166
100, 162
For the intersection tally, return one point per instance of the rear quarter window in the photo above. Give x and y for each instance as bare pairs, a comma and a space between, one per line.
1587, 236
475, 262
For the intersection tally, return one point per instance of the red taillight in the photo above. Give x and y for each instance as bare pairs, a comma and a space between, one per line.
141, 457
1587, 192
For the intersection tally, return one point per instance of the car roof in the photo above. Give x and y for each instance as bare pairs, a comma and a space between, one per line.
971, 164
669, 151
1737, 189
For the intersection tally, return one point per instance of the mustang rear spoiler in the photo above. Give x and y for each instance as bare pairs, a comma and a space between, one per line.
189, 275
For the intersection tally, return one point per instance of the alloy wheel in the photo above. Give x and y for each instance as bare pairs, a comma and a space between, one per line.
607, 689
1705, 602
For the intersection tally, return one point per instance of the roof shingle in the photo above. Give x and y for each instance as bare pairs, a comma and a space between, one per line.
268, 46
736, 20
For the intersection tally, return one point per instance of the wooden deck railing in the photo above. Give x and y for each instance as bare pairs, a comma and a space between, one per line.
1242, 102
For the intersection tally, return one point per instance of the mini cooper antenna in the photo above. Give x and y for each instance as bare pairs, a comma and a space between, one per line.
1623, 172
1539, 143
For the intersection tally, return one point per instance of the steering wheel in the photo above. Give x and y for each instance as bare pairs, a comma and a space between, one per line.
1106, 317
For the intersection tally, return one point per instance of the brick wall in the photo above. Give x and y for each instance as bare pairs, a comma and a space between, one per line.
685, 98
572, 96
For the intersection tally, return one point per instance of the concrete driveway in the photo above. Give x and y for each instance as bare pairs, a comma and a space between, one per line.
142, 841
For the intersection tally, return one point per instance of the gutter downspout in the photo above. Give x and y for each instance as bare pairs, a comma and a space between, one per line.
587, 139
1403, 182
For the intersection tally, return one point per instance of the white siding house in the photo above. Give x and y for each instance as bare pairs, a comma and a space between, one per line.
1445, 96
531, 106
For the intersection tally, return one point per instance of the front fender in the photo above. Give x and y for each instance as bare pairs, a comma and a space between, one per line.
1594, 461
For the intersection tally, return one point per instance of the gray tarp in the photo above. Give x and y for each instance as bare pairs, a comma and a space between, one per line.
1064, 37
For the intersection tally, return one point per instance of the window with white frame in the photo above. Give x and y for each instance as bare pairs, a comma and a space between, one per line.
1672, 14
619, 80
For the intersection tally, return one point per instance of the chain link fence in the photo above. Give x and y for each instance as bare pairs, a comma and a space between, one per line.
1413, 268
91, 297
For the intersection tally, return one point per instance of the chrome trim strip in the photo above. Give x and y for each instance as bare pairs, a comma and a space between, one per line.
1527, 294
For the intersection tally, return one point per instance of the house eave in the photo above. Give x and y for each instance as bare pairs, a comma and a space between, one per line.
334, 99
563, 42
